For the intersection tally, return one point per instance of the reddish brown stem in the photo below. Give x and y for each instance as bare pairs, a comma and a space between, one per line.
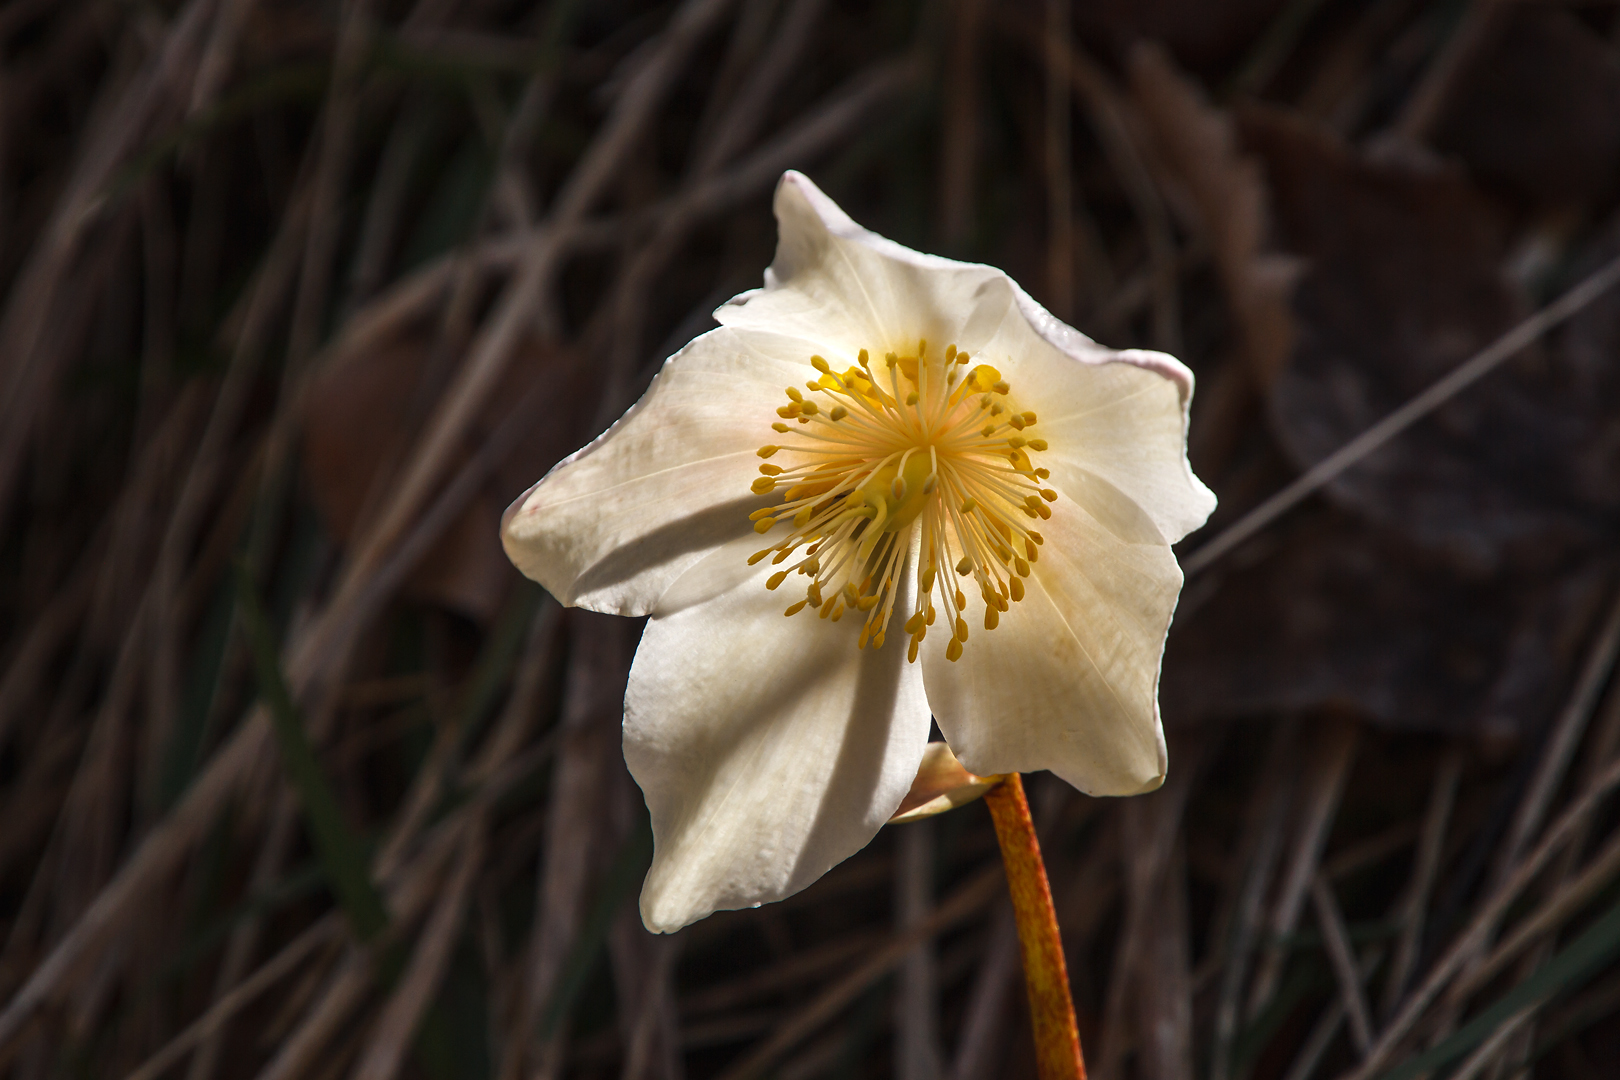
1051, 1009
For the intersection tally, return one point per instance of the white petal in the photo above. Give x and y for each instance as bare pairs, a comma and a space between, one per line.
769, 748
1069, 680
836, 283
1128, 425
1118, 415
611, 526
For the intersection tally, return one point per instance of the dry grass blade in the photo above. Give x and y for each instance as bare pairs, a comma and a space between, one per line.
385, 1052
979, 1048
1485, 921
1424, 873
1561, 743
917, 1053
1343, 958
1321, 787
1463, 376
964, 901
233, 1000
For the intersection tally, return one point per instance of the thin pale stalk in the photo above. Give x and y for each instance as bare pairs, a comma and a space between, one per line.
1051, 1009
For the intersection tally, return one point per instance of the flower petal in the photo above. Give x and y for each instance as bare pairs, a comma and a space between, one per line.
611, 526
1119, 415
1069, 680
1125, 421
769, 748
836, 283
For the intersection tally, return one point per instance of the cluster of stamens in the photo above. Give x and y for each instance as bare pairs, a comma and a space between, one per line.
909, 443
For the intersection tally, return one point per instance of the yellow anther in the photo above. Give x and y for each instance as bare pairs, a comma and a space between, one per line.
1038, 444
1048, 494
1044, 474
794, 609
1031, 541
779, 426
1044, 512
873, 489
911, 653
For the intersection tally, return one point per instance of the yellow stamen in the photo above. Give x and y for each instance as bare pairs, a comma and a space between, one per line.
912, 454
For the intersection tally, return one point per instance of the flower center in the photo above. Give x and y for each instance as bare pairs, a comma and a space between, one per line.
880, 452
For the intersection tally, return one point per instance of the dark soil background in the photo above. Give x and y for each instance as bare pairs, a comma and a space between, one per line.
299, 779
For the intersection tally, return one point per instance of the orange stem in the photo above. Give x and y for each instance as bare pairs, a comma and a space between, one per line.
1051, 1009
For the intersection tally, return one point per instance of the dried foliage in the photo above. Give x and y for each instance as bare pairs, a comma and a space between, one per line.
299, 779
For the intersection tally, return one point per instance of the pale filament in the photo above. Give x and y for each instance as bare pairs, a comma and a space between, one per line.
915, 445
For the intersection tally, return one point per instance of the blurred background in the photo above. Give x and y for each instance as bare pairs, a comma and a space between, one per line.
298, 778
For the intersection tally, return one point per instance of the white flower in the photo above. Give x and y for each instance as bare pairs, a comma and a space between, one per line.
976, 500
